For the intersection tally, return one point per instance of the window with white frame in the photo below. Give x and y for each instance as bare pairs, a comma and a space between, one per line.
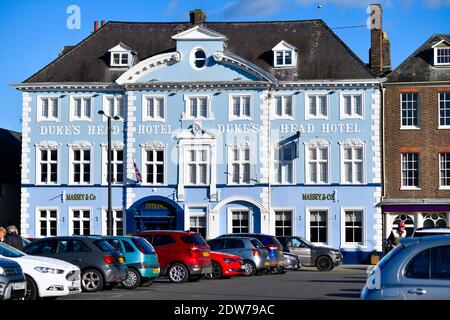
197, 220
354, 227
284, 164
117, 168
48, 109
47, 223
114, 105
410, 170
444, 109
316, 106
154, 108
353, 162
47, 166
197, 108
81, 166
198, 58
240, 107
283, 106
154, 163
284, 55
197, 164
240, 221
442, 56
318, 226
81, 108
120, 59
352, 106
318, 165
283, 222
283, 58
410, 110
240, 165
444, 166
80, 222
117, 222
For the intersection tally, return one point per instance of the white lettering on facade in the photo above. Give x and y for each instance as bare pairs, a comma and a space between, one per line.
154, 129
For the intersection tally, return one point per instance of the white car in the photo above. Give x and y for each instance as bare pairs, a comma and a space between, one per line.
46, 277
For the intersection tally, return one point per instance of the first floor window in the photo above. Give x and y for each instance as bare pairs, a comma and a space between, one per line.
198, 167
47, 222
240, 221
284, 164
82, 108
117, 223
115, 106
317, 106
354, 227
353, 165
444, 166
198, 108
283, 106
154, 166
444, 108
48, 166
318, 165
352, 106
318, 226
81, 166
49, 108
283, 223
155, 109
240, 165
410, 170
116, 166
81, 222
241, 107
410, 110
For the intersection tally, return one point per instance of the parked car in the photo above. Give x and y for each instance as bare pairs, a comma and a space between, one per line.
225, 265
417, 269
256, 258
322, 257
45, 277
12, 280
424, 232
290, 262
140, 258
182, 255
101, 265
270, 243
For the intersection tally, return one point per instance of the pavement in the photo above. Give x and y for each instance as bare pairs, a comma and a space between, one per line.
344, 282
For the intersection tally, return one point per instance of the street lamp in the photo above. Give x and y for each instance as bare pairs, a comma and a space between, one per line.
109, 172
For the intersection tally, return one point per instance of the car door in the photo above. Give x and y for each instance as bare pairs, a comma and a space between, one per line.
44, 248
301, 249
233, 246
164, 247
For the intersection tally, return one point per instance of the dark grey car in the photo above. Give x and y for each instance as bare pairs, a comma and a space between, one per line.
12, 280
323, 258
100, 263
251, 250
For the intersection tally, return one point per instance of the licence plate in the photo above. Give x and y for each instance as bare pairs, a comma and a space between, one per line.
155, 270
19, 286
267, 263
206, 253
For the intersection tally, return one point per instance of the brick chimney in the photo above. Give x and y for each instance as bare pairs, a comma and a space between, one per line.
197, 17
380, 47
95, 26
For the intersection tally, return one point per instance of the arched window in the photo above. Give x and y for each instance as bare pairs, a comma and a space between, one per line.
409, 223
434, 220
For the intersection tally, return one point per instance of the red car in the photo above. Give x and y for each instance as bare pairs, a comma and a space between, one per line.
226, 265
182, 255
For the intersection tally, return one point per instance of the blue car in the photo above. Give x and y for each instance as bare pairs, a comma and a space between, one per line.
140, 258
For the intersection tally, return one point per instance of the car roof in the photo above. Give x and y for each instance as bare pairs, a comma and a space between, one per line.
243, 235
181, 232
433, 230
69, 237
233, 237
406, 242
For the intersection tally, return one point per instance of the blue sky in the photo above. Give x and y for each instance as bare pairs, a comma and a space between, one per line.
33, 32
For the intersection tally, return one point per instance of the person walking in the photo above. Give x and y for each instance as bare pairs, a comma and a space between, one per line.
2, 234
13, 238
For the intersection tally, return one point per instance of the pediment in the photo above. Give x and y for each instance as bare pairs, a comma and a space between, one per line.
199, 33
283, 45
121, 48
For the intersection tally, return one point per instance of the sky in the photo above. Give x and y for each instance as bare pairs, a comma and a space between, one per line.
33, 32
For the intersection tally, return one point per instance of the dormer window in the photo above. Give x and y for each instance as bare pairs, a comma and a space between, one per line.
119, 59
442, 53
121, 56
284, 55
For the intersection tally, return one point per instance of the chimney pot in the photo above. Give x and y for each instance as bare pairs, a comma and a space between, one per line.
103, 23
197, 17
95, 26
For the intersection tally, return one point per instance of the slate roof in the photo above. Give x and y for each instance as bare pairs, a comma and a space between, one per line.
418, 67
322, 55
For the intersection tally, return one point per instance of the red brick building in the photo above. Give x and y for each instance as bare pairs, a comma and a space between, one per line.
416, 139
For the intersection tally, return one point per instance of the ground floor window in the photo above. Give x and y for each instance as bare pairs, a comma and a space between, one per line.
283, 222
197, 220
81, 222
409, 223
117, 222
354, 227
240, 221
47, 224
434, 220
318, 226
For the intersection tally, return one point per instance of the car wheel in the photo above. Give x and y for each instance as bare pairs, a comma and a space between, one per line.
178, 273
133, 280
324, 263
31, 292
91, 280
216, 271
147, 282
250, 268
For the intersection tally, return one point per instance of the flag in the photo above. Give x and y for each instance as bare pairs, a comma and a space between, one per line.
138, 174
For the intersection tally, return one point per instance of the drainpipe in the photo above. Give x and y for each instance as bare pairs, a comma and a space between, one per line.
383, 170
270, 96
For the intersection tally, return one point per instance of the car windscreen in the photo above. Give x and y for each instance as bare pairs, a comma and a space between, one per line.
10, 252
194, 239
257, 244
143, 245
104, 245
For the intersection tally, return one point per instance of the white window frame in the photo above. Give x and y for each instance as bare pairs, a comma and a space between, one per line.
436, 63
104, 226
402, 187
71, 164
83, 97
230, 218
71, 219
197, 148
117, 98
308, 222
277, 162
409, 127
354, 245
443, 126
114, 163
144, 166
307, 177
40, 117
192, 58
353, 114
38, 219
38, 165
187, 107
293, 216
121, 54
441, 186
309, 116
241, 116
240, 162
284, 55
145, 116
342, 151
283, 115
187, 219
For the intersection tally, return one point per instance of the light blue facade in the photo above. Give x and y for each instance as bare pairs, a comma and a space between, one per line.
174, 202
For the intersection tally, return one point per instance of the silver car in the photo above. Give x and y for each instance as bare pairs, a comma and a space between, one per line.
418, 269
251, 250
